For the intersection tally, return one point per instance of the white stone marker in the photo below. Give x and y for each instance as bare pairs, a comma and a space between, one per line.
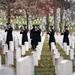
26, 46
55, 55
16, 44
11, 45
23, 50
65, 46
65, 67
68, 50
34, 53
73, 43
9, 58
25, 66
3, 42
5, 48
57, 61
52, 45
5, 70
18, 53
71, 54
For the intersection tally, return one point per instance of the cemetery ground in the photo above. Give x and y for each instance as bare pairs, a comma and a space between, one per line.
45, 66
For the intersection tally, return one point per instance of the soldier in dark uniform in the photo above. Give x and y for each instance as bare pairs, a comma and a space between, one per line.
51, 36
9, 34
65, 33
38, 32
33, 37
24, 32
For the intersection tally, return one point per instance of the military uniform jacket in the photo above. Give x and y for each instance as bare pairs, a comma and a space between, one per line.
24, 35
38, 32
9, 34
65, 38
51, 37
33, 36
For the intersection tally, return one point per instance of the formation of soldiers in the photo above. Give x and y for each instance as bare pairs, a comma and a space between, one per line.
65, 34
35, 35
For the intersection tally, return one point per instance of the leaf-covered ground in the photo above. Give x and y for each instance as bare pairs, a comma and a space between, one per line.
45, 66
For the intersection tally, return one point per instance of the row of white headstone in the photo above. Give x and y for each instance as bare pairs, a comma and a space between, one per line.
69, 51
66, 48
62, 67
27, 63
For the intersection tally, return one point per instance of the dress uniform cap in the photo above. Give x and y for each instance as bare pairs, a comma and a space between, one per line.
51, 26
65, 26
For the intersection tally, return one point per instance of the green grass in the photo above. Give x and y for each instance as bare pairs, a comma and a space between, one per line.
45, 66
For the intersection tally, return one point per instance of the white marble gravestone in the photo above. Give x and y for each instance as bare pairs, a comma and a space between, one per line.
11, 45
3, 42
65, 46
73, 43
68, 50
23, 50
16, 43
9, 58
18, 53
65, 67
5, 70
26, 46
34, 53
5, 48
71, 54
25, 66
57, 61
55, 55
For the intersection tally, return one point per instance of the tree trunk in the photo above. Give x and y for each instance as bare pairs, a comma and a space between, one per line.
61, 18
8, 13
55, 21
27, 16
47, 22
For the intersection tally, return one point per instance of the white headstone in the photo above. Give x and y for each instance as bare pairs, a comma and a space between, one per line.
5, 48
3, 42
57, 61
73, 43
71, 54
5, 70
34, 53
65, 67
11, 44
26, 46
25, 66
65, 46
18, 53
68, 50
16, 43
9, 58
23, 50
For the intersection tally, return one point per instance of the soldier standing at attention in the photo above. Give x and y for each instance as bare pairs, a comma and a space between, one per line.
33, 37
9, 37
24, 32
65, 33
51, 36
